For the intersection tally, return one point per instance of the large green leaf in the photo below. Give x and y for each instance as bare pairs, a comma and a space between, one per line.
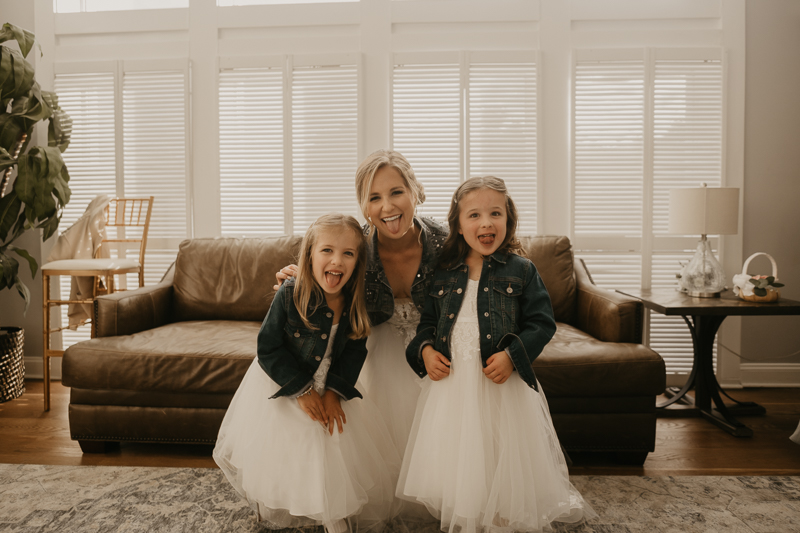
42, 185
10, 131
24, 38
25, 255
10, 269
59, 132
31, 108
16, 73
10, 206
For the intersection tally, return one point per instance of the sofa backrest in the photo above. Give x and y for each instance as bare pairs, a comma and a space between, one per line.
232, 279
553, 258
229, 279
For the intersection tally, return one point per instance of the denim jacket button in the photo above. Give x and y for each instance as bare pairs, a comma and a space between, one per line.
509, 290
488, 336
486, 289
444, 339
318, 358
459, 291
486, 314
324, 336
297, 334
452, 315
328, 315
441, 292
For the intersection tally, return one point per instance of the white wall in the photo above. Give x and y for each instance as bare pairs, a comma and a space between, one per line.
772, 179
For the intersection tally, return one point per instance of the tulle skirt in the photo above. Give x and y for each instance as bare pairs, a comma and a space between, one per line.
389, 382
485, 457
294, 473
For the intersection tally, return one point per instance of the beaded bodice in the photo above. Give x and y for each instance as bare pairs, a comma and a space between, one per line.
405, 319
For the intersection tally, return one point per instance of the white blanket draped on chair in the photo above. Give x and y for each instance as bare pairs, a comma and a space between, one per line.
82, 241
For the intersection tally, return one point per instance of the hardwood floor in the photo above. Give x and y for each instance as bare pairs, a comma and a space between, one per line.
685, 446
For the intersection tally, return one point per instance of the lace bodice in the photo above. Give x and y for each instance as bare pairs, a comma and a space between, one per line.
321, 375
465, 339
405, 319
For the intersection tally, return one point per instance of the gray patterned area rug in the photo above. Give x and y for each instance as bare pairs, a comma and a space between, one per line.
36, 498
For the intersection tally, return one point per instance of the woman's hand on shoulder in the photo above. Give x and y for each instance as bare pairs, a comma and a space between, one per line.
284, 274
333, 406
312, 404
436, 364
499, 367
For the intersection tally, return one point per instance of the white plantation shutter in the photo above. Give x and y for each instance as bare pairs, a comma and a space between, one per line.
687, 140
642, 127
458, 116
251, 151
502, 131
88, 98
687, 151
287, 157
154, 159
90, 158
607, 147
426, 129
324, 142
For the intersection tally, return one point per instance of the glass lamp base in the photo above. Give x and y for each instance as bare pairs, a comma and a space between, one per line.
703, 276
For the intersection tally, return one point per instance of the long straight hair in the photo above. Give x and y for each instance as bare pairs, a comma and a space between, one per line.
307, 286
455, 248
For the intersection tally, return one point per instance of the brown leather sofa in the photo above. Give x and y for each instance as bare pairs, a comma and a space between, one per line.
168, 358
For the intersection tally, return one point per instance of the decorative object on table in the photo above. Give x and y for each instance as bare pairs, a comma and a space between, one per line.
40, 189
757, 288
12, 364
703, 211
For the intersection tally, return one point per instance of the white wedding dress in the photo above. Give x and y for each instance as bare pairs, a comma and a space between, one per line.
482, 456
389, 382
292, 472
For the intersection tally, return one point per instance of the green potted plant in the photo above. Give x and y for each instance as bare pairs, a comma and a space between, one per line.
39, 192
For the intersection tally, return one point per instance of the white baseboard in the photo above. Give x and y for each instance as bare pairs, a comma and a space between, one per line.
34, 365
770, 374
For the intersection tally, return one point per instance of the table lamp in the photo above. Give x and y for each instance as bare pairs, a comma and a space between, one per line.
703, 211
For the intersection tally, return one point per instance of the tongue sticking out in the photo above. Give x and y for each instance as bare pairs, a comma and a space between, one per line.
332, 279
393, 225
486, 239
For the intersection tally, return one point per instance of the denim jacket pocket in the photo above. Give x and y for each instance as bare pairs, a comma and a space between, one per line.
506, 299
301, 339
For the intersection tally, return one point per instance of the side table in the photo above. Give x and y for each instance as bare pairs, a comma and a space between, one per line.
704, 316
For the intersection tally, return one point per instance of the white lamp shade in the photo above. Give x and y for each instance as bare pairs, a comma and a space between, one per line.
704, 211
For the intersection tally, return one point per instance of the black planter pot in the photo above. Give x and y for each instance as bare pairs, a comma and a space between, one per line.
12, 363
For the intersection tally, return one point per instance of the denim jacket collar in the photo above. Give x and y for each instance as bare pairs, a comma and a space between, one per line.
500, 257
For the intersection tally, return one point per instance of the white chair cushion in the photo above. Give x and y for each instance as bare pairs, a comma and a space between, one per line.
105, 264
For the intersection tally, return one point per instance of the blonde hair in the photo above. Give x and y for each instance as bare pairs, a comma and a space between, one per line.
455, 248
307, 285
374, 162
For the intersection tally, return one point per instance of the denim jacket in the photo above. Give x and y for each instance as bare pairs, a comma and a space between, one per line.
380, 299
290, 353
514, 313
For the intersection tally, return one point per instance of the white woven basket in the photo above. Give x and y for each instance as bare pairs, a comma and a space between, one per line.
741, 281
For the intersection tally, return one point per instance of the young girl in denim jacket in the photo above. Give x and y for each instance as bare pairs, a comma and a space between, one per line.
292, 442
483, 454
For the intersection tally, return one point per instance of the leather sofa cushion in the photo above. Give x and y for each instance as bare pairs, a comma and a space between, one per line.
189, 357
229, 279
553, 258
575, 364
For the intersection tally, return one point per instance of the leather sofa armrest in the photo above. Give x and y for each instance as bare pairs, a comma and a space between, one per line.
606, 315
129, 312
